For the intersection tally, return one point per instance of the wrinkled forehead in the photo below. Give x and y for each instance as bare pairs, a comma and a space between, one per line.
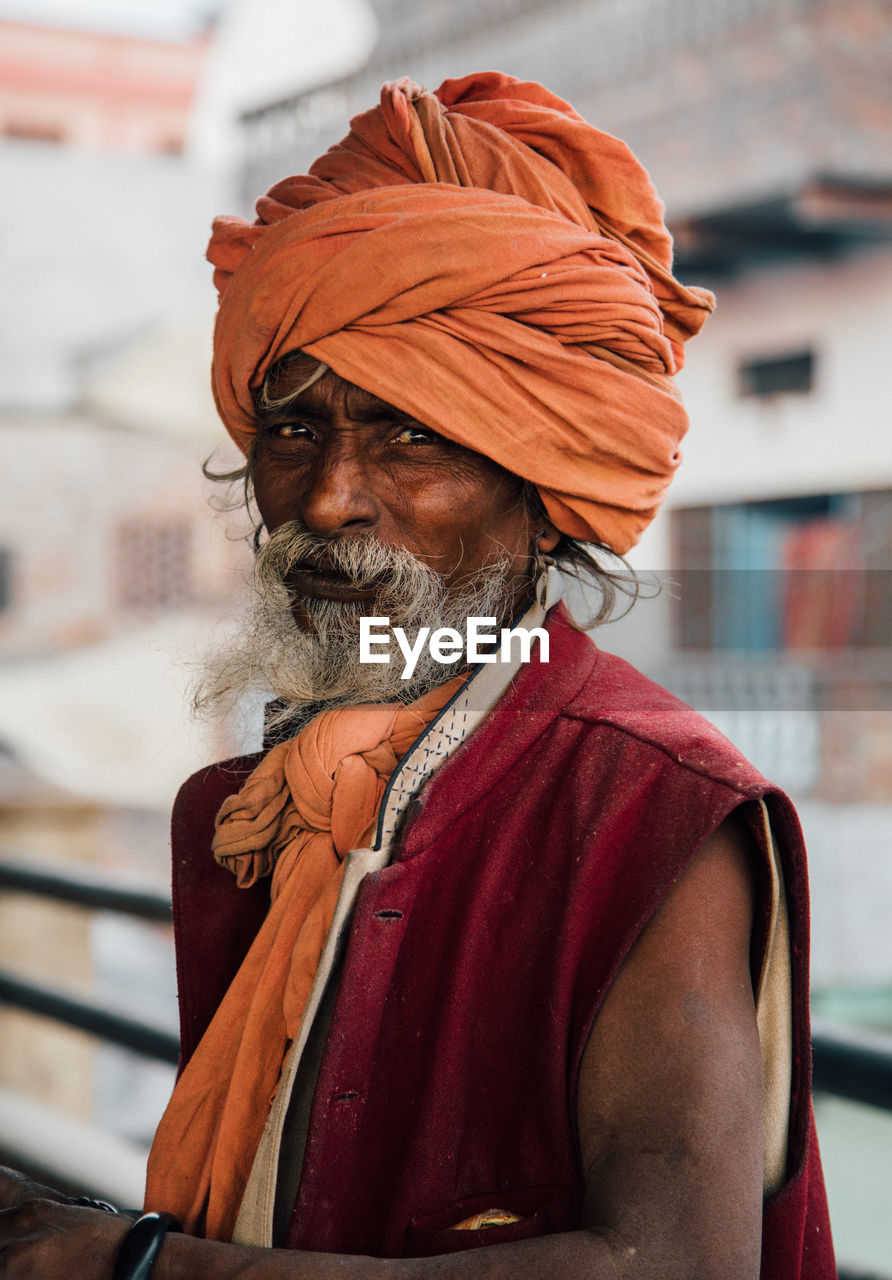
299, 376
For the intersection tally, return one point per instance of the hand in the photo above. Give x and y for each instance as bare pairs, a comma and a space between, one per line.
17, 1189
42, 1234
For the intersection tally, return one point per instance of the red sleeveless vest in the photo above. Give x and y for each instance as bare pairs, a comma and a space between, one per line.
479, 958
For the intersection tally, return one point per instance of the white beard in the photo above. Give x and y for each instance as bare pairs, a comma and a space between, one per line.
307, 671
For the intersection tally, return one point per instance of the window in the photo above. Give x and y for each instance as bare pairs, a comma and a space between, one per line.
154, 564
791, 374
794, 574
33, 131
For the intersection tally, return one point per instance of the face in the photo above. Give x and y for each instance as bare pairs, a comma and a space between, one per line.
348, 465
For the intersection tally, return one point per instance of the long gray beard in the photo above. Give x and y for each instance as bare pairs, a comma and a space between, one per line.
310, 671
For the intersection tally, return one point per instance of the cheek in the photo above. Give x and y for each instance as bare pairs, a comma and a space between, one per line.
478, 527
275, 493
507, 519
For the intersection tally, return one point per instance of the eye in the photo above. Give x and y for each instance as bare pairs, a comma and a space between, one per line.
289, 431
413, 433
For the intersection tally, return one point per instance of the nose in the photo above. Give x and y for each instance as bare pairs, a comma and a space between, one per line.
339, 498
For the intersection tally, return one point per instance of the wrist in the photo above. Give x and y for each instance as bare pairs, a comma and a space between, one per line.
141, 1247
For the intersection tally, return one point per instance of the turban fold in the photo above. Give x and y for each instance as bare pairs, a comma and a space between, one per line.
488, 262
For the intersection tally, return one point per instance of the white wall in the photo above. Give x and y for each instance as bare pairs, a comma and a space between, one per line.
96, 251
835, 439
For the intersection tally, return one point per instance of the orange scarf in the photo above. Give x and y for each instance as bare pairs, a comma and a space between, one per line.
303, 808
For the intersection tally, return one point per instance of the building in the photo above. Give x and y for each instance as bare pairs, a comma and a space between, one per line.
96, 89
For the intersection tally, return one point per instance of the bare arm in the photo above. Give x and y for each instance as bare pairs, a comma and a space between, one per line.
669, 1122
670, 1103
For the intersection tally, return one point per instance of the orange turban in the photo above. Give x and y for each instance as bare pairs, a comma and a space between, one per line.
488, 262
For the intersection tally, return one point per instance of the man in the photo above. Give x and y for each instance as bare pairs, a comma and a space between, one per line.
514, 958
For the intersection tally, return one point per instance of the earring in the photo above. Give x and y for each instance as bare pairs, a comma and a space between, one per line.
541, 558
549, 583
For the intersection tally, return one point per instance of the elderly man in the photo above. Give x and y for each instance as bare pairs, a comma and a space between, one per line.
489, 967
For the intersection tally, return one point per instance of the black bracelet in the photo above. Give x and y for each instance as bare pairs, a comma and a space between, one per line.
142, 1245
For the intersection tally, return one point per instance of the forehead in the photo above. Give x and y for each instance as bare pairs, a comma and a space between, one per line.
304, 378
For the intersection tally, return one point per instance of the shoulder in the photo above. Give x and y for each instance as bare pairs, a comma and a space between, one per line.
200, 796
644, 718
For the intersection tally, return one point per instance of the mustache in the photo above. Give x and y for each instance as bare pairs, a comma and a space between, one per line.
364, 561
292, 547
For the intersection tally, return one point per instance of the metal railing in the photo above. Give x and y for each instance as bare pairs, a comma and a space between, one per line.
95, 1015
850, 1062
84, 888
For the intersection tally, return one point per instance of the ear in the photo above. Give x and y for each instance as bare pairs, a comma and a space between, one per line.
547, 538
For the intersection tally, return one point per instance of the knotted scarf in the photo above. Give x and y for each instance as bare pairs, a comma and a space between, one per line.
307, 803
488, 262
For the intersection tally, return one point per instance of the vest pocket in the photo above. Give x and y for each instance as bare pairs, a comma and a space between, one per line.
539, 1211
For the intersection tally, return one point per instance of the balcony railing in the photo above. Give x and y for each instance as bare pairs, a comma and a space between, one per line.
98, 1017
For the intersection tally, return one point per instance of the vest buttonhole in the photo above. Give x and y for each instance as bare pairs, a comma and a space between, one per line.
389, 914
348, 1096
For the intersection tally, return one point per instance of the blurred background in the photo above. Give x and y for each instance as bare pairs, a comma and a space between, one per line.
124, 127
